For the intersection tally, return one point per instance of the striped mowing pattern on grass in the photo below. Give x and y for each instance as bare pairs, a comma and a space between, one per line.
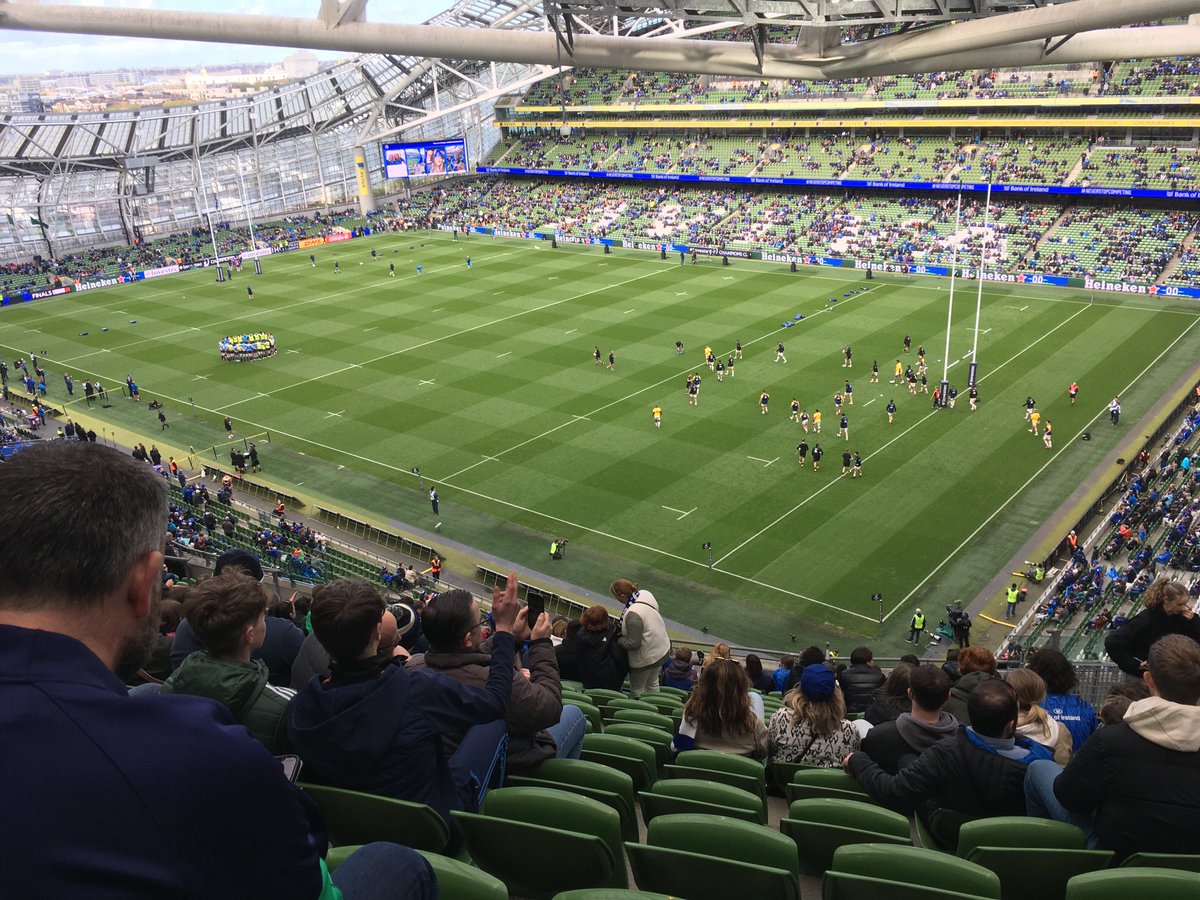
485, 379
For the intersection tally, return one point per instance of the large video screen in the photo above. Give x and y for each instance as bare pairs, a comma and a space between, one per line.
425, 158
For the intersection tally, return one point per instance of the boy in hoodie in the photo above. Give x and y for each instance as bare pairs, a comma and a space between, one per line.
893, 745
1135, 786
375, 727
228, 615
980, 772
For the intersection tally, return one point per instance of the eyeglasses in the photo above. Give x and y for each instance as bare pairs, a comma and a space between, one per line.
483, 621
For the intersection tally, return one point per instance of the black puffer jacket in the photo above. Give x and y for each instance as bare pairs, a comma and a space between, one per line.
859, 684
961, 693
1130, 644
602, 663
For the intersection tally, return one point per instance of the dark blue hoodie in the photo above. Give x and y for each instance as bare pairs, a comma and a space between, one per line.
376, 727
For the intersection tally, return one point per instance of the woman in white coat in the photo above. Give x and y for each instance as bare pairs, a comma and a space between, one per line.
643, 635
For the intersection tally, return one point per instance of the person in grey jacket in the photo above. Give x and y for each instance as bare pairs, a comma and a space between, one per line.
539, 726
893, 745
643, 635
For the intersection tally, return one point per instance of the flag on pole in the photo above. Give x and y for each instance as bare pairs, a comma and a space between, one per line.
33, 220
11, 221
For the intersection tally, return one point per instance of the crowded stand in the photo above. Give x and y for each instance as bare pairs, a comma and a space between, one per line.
807, 762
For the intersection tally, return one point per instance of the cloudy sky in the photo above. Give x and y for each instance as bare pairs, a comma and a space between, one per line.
27, 52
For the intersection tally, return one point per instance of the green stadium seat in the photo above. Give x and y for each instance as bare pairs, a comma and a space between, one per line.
635, 758
577, 841
1183, 861
357, 818
941, 832
820, 826
1121, 884
807, 784
591, 713
726, 768
657, 738
617, 703
1032, 857
653, 719
779, 774
693, 795
458, 880
706, 857
906, 872
591, 779
601, 696
673, 692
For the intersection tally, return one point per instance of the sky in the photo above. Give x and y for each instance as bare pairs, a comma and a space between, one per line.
31, 53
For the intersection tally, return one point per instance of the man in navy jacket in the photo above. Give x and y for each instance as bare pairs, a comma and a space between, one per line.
373, 726
107, 795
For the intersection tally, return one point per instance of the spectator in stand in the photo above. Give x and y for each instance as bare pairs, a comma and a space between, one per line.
539, 726
977, 665
680, 673
758, 678
1070, 709
1033, 721
781, 673
893, 745
189, 804
809, 656
313, 658
719, 715
892, 699
373, 726
228, 614
1118, 700
860, 680
643, 636
283, 638
720, 650
1168, 610
566, 652
950, 666
1134, 786
978, 772
158, 664
811, 726
602, 660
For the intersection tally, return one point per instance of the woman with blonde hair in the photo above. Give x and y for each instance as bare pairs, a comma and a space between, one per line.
718, 714
811, 725
1034, 722
719, 651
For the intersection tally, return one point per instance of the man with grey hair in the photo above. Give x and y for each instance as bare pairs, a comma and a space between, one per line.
119, 796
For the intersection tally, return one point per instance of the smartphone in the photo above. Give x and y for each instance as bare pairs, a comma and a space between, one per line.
536, 606
291, 767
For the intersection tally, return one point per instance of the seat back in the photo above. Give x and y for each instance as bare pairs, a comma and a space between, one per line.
616, 703
357, 818
780, 774
719, 837
582, 776
629, 825
564, 859
690, 795
594, 716
642, 717
1121, 884
820, 826
601, 696
640, 759
1036, 872
1184, 861
462, 881
917, 867
696, 876
1019, 831
845, 886
556, 809
657, 738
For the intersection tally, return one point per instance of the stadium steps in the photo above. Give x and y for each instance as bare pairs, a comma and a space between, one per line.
1184, 246
1047, 234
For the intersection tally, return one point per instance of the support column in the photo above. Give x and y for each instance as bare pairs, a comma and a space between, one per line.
366, 200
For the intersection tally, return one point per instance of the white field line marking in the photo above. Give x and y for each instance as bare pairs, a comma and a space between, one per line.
953, 364
869, 402
674, 510
984, 331
688, 513
581, 418
627, 312
426, 381
445, 337
293, 351
770, 335
330, 415
199, 377
924, 418
1014, 307
655, 550
506, 353
772, 462
572, 331
1062, 447
439, 309
403, 471
756, 459
372, 328
1023, 308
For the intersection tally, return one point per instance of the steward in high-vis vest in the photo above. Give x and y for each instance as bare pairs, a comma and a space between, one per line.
917, 626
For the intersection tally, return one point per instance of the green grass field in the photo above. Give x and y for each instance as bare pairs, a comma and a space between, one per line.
485, 380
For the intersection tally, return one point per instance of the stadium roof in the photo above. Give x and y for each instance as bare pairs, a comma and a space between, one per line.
478, 50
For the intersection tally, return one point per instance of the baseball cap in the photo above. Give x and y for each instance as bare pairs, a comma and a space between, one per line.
817, 683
